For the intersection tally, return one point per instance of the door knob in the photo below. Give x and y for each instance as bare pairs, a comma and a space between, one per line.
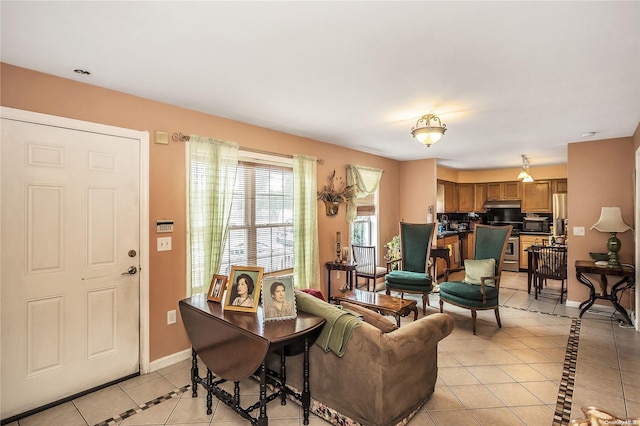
131, 271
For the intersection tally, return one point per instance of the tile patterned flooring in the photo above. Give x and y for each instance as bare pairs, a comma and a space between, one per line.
538, 369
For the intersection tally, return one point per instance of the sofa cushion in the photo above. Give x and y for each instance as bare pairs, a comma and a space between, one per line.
370, 317
475, 269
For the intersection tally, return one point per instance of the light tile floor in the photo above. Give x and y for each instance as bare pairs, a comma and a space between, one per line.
517, 375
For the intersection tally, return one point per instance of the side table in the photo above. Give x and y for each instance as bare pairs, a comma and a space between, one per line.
349, 268
627, 281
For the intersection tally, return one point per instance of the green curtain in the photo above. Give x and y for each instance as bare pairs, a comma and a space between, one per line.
365, 181
306, 263
212, 175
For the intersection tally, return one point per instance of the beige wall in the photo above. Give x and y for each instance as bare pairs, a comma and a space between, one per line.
600, 173
417, 190
32, 91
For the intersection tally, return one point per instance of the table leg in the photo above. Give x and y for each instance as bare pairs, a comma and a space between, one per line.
263, 420
209, 391
283, 375
584, 306
306, 392
328, 284
624, 284
194, 373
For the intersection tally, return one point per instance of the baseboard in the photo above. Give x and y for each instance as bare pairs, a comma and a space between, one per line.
169, 360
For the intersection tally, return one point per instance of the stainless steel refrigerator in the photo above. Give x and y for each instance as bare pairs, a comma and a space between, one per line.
559, 214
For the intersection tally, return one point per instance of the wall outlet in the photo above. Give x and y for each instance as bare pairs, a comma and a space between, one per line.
578, 231
164, 243
171, 317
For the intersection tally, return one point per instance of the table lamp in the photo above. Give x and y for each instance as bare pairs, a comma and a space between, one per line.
611, 221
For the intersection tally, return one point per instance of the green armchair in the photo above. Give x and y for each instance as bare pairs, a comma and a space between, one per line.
412, 275
480, 288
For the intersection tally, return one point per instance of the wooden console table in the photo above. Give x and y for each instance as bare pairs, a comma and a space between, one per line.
627, 281
349, 268
234, 346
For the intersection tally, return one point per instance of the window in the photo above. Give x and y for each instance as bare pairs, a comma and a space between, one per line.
261, 224
364, 228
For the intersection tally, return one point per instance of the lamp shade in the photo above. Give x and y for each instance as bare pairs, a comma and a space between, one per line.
611, 221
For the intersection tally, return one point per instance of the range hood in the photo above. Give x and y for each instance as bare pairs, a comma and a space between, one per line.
502, 204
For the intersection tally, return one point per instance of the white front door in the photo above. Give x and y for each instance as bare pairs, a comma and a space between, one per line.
70, 259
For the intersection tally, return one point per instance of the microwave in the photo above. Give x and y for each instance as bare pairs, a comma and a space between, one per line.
537, 224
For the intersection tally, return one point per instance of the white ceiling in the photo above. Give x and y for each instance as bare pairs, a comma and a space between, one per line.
507, 78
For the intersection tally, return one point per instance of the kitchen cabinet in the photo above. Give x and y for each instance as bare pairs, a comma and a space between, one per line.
480, 196
450, 197
471, 243
559, 186
504, 191
452, 243
466, 197
525, 242
537, 197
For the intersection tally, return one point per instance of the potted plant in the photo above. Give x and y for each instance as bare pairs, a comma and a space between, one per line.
335, 194
393, 252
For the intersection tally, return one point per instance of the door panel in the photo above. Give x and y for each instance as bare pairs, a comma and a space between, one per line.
70, 215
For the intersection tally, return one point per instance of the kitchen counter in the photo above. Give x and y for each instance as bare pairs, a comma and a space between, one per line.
444, 234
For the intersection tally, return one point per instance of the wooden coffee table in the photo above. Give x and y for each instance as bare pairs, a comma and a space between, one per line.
380, 303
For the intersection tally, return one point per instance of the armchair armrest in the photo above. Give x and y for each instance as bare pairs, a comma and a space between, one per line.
450, 271
398, 261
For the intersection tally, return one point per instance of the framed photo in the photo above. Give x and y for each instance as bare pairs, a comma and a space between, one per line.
243, 293
217, 288
278, 299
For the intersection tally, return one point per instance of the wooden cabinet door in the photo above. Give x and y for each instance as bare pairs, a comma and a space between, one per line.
452, 243
450, 197
537, 197
494, 191
466, 199
511, 190
471, 244
480, 196
559, 186
525, 242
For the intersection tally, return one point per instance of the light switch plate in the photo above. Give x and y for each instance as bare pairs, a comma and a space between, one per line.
164, 243
578, 231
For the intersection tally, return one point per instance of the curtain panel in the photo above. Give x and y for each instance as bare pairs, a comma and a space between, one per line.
365, 181
211, 180
306, 257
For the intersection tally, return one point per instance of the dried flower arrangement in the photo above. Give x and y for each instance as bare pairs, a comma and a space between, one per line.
340, 194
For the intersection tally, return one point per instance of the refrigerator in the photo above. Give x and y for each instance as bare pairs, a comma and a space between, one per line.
559, 215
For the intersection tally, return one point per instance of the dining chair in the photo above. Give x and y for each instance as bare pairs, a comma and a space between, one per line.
366, 264
412, 273
550, 263
480, 288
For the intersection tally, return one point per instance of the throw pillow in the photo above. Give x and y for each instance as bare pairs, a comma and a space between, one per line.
371, 317
475, 269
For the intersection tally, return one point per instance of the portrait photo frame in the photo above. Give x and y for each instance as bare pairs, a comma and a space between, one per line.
278, 298
245, 300
217, 288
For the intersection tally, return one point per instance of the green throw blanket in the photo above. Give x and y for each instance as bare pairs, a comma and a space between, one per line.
339, 326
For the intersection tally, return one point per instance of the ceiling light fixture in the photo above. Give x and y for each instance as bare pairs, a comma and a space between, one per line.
524, 174
431, 130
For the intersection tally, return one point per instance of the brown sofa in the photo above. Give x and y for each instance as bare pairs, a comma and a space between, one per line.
382, 378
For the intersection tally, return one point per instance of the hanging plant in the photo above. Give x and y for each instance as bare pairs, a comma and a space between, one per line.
335, 193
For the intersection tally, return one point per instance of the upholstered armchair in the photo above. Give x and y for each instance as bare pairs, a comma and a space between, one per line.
480, 288
412, 274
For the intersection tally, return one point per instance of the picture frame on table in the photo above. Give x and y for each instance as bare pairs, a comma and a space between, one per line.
278, 298
243, 289
217, 288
